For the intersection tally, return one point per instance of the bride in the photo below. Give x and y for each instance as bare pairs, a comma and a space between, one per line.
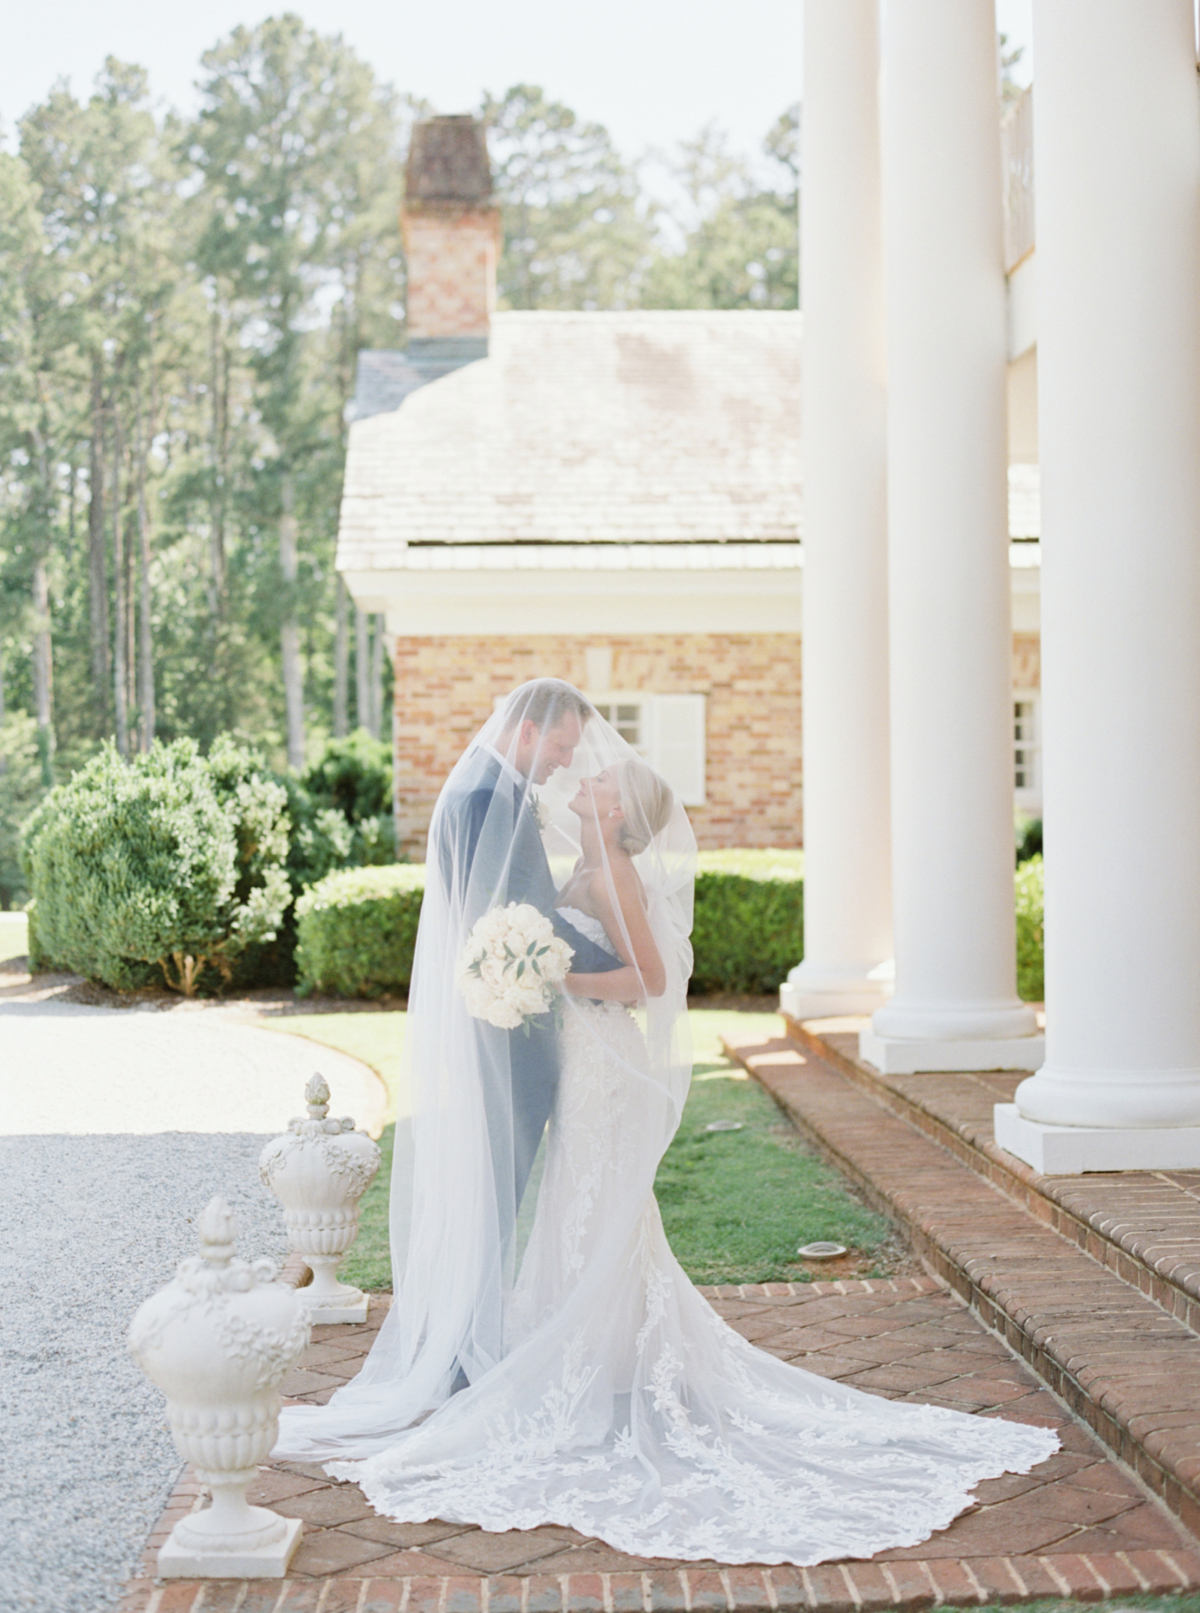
546, 1359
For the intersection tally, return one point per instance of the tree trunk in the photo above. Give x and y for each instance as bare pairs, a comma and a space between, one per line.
219, 389
43, 661
289, 635
43, 664
119, 635
341, 661
131, 665
97, 555
146, 636
72, 492
377, 679
362, 670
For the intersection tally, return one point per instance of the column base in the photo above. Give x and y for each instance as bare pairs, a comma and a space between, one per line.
1072, 1150
813, 992
179, 1561
909, 1055
799, 1002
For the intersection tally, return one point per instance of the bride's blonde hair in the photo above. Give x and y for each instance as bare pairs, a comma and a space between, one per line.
647, 802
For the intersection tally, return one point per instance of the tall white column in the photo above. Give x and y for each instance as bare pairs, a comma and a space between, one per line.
956, 1005
1117, 148
847, 866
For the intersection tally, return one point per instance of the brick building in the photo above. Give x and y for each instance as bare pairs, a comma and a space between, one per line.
612, 498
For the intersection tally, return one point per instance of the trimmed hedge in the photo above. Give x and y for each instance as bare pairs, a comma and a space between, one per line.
1031, 940
749, 925
357, 928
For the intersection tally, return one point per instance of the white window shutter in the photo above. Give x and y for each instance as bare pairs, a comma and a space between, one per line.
676, 748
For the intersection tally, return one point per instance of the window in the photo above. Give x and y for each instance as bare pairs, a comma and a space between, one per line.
668, 730
626, 716
1027, 772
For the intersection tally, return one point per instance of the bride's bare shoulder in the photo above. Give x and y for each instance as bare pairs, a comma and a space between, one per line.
626, 881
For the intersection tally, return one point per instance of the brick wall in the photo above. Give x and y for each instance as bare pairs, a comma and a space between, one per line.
445, 688
451, 270
1027, 661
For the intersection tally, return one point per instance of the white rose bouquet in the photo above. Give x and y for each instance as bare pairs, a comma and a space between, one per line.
511, 967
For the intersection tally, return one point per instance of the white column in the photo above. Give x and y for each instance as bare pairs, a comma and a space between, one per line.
847, 865
1117, 148
956, 1005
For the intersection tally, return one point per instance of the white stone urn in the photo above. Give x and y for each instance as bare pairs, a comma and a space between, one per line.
217, 1341
319, 1170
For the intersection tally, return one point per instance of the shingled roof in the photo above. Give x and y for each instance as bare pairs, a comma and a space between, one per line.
587, 428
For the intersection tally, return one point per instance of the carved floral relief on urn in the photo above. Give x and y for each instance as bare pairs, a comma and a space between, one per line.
319, 1170
218, 1341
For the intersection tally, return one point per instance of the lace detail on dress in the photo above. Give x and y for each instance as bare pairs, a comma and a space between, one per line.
599, 1044
657, 1427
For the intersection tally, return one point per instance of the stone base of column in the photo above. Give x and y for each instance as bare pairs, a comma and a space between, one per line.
908, 1055
813, 992
1072, 1150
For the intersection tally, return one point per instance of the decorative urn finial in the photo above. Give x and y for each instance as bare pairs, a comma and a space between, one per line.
319, 1170
217, 1341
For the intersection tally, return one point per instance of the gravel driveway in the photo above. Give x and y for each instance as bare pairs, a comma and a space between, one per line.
116, 1128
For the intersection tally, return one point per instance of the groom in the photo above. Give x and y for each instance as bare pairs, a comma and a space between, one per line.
490, 852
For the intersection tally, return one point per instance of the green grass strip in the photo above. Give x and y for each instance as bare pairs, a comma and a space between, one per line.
735, 1204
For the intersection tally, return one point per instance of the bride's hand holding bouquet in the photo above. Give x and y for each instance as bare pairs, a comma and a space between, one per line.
512, 967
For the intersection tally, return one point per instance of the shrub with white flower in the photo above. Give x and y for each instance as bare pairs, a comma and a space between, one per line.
511, 967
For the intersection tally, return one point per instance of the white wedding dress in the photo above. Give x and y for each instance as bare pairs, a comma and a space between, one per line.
625, 1408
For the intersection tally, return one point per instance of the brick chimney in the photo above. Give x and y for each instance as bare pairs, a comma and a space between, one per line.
451, 234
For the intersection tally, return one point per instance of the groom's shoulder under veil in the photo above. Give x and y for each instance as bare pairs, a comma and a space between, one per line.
517, 827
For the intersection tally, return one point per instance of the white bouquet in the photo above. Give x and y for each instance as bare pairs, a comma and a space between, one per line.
511, 967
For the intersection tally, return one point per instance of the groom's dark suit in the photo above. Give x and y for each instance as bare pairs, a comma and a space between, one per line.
490, 845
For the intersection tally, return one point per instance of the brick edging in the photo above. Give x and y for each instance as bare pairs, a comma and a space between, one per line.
1042, 1196
831, 1587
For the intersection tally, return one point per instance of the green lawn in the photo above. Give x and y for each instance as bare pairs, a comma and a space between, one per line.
735, 1203
14, 935
376, 1038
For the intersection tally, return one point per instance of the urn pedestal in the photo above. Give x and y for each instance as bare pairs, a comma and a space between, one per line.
319, 1170
217, 1341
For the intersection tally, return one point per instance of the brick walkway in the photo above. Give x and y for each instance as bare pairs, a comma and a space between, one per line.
1068, 1299
1080, 1526
1145, 1225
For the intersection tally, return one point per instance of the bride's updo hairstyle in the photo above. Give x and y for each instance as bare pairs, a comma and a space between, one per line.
647, 802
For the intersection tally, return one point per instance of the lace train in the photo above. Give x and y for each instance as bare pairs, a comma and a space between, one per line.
627, 1409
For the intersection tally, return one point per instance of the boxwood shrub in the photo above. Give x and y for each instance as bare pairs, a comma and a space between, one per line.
165, 868
357, 927
1031, 941
749, 926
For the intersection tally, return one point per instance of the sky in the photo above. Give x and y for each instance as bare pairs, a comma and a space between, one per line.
653, 71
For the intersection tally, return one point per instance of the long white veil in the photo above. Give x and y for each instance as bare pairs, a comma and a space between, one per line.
464, 1176
546, 1359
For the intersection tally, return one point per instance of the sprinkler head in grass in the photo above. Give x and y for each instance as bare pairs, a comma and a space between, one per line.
821, 1250
724, 1125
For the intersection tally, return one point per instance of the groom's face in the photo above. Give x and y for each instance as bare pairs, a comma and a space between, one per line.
542, 751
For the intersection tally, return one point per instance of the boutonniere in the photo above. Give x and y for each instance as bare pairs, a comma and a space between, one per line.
540, 816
